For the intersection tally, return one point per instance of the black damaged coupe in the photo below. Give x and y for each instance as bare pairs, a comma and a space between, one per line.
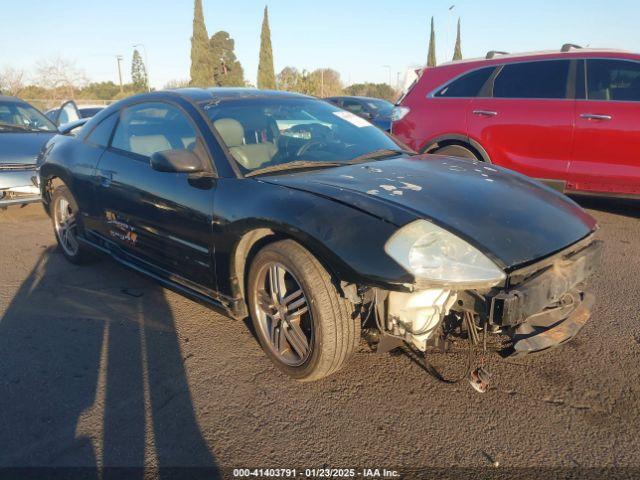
320, 226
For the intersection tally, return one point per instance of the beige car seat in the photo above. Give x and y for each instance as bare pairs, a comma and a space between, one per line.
250, 156
147, 145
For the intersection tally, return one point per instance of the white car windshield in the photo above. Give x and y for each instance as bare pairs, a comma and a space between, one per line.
23, 117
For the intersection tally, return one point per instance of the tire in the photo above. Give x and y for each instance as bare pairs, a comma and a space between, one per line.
64, 210
456, 151
332, 332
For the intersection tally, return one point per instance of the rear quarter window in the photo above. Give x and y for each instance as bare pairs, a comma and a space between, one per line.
468, 85
611, 79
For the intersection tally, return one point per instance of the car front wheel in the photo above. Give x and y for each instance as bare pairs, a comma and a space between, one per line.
303, 324
65, 216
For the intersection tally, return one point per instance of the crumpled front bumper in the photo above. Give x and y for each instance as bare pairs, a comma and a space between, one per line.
18, 185
557, 334
545, 304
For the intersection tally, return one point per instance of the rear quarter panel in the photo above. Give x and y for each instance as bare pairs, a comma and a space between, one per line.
74, 163
430, 118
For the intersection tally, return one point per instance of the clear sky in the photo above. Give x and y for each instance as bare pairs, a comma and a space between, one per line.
356, 37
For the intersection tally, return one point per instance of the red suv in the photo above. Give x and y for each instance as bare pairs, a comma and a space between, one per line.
570, 118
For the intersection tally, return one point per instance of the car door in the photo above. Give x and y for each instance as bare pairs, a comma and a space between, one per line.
160, 220
524, 118
606, 148
68, 112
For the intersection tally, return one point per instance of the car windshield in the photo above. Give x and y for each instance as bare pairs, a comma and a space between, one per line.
276, 133
381, 107
16, 116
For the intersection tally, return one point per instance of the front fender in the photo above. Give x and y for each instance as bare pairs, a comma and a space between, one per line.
349, 242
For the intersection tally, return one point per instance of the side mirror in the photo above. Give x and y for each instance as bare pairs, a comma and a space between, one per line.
71, 127
176, 161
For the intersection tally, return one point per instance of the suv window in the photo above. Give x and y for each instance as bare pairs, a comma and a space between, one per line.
613, 80
148, 128
547, 79
468, 85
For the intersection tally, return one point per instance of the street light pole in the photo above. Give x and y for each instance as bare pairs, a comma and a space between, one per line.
146, 63
119, 59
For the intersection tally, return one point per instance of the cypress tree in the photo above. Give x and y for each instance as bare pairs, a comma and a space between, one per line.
457, 52
139, 72
201, 60
266, 73
227, 71
431, 59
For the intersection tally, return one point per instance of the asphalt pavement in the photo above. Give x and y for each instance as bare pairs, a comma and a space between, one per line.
100, 366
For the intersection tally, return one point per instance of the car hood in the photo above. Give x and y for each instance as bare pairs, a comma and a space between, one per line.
512, 219
22, 147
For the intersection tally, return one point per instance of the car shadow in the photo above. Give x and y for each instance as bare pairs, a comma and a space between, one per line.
618, 206
93, 378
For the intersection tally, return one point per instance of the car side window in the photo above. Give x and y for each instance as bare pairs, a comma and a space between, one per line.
148, 128
546, 79
352, 106
468, 85
101, 134
613, 80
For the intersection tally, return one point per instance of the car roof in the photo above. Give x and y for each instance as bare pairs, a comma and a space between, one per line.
6, 98
355, 97
203, 95
573, 53
200, 96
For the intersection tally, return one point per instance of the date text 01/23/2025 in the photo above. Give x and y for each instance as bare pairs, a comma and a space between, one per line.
314, 473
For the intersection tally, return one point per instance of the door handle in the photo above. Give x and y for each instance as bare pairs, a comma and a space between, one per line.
105, 178
485, 113
595, 116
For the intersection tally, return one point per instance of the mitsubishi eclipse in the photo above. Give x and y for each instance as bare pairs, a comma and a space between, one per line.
316, 224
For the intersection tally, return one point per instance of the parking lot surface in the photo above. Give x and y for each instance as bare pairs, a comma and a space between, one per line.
101, 366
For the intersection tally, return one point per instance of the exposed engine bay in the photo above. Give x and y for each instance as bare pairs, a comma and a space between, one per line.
539, 306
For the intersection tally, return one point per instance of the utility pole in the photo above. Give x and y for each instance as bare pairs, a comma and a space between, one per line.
146, 63
119, 59
388, 67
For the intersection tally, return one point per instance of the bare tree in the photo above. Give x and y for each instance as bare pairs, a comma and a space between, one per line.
11, 80
60, 76
178, 83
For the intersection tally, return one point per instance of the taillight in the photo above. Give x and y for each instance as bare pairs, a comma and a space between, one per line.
399, 112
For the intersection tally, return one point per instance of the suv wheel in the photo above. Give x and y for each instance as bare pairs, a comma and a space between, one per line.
456, 151
65, 224
305, 327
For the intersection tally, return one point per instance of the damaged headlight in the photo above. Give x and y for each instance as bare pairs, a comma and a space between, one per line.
438, 257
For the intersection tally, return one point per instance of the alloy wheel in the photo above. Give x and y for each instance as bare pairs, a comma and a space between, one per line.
65, 225
283, 314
